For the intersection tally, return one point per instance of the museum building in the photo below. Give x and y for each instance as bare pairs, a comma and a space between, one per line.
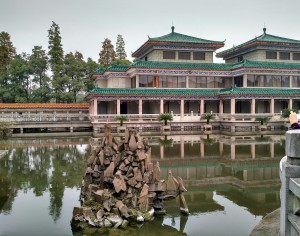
175, 73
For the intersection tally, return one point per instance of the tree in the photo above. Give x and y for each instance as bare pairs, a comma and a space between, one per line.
38, 62
20, 81
286, 112
207, 117
56, 59
165, 117
120, 48
90, 67
121, 119
107, 54
262, 119
74, 72
7, 51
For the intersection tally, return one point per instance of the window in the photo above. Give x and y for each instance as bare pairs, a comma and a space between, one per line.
296, 81
184, 55
168, 55
284, 56
199, 56
268, 81
271, 55
171, 81
240, 58
208, 82
133, 82
181, 82
146, 81
296, 56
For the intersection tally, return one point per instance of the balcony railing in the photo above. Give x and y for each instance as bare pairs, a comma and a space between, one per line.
28, 117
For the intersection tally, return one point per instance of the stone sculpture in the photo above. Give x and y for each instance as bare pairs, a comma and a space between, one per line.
121, 185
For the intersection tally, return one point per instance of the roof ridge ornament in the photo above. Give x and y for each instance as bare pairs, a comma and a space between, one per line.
172, 29
265, 30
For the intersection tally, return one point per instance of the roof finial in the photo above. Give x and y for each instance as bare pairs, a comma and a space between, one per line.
172, 28
265, 29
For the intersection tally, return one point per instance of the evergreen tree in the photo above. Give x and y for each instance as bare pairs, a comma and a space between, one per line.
107, 54
90, 68
56, 59
20, 82
38, 62
7, 51
120, 48
74, 73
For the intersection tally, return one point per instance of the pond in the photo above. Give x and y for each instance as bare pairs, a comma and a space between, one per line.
232, 182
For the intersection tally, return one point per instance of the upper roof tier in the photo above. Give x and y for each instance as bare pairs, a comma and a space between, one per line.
174, 39
264, 39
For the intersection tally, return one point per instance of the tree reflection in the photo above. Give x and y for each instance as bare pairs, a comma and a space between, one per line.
40, 169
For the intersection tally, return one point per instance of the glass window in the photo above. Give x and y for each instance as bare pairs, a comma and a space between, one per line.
133, 82
210, 82
181, 82
199, 56
143, 81
271, 55
269, 81
150, 81
172, 81
184, 55
201, 82
219, 82
284, 56
250, 80
163, 83
227, 82
285, 81
296, 56
296, 81
169, 55
192, 82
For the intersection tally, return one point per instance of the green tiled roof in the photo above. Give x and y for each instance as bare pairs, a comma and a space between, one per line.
182, 38
153, 91
200, 66
265, 64
259, 91
181, 65
262, 38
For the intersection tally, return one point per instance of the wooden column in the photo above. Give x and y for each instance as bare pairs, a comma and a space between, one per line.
232, 106
252, 106
201, 106
140, 107
221, 107
161, 110
272, 106
95, 107
290, 103
118, 107
181, 109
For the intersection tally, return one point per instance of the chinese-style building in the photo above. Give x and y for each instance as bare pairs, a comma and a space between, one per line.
175, 73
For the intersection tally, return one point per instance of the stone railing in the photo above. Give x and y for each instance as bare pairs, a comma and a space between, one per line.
250, 117
43, 117
290, 185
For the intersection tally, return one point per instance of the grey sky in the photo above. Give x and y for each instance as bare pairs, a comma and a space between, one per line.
85, 23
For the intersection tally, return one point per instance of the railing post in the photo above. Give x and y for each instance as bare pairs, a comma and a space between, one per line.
289, 170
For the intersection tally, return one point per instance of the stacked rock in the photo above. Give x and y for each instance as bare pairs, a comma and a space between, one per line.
122, 185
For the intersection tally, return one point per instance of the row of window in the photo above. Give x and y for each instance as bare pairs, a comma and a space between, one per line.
268, 81
162, 81
184, 55
282, 55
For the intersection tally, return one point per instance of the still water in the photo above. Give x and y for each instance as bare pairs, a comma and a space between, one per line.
232, 183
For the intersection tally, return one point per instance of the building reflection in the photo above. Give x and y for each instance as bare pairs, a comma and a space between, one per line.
243, 169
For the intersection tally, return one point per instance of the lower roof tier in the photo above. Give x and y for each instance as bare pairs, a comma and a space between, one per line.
193, 94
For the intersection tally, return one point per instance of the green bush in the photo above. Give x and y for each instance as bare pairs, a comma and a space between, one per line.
165, 117
121, 119
207, 117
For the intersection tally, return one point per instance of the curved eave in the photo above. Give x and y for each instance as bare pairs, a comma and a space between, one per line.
216, 45
229, 52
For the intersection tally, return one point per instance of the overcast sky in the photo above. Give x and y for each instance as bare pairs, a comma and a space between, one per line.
84, 24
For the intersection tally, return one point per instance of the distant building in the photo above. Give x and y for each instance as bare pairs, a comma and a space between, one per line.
175, 73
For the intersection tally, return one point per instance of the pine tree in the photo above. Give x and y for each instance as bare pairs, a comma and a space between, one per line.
120, 48
107, 54
56, 59
7, 51
56, 52
38, 62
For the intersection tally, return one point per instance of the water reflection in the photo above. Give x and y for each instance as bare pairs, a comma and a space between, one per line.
221, 173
